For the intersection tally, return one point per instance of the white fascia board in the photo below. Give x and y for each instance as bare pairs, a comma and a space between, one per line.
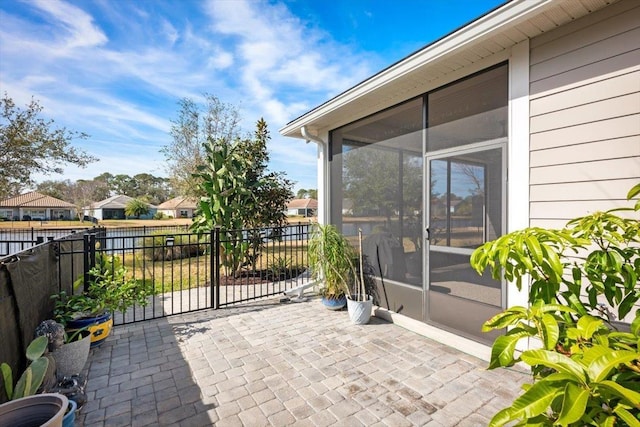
507, 16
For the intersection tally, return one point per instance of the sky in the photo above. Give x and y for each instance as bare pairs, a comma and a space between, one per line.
116, 69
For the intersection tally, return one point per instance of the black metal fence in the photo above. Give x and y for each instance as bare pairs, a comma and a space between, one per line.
14, 240
188, 272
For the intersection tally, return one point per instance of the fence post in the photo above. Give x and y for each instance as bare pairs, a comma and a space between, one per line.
89, 257
215, 267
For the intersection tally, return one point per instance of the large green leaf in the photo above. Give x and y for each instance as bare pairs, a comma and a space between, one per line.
587, 325
630, 396
8, 379
574, 403
550, 331
37, 348
600, 367
504, 347
627, 416
506, 318
501, 418
557, 361
534, 401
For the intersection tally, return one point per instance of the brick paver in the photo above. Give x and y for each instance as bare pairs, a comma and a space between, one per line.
278, 364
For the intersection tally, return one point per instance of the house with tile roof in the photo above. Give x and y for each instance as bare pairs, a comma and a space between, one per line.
114, 208
527, 116
36, 206
179, 207
303, 207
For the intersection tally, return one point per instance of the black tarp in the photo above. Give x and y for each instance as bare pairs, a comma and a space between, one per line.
27, 281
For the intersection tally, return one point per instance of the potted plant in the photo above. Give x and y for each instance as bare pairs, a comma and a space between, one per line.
331, 259
25, 407
110, 289
69, 349
360, 302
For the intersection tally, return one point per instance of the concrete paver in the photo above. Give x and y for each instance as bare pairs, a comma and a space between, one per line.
276, 364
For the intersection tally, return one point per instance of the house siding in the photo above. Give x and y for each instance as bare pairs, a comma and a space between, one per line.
585, 115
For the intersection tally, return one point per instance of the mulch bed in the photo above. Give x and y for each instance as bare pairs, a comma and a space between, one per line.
259, 276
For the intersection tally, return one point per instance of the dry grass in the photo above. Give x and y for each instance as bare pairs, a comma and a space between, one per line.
186, 273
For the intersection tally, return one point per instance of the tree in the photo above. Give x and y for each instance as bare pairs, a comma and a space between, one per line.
240, 193
307, 194
152, 188
60, 189
190, 132
30, 144
136, 207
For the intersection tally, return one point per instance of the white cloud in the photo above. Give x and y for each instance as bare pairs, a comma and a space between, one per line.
79, 25
123, 89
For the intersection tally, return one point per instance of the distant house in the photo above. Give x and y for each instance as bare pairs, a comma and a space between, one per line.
179, 207
113, 208
36, 206
304, 207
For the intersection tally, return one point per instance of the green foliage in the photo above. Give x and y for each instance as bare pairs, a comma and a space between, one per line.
31, 145
331, 259
240, 194
31, 379
109, 289
183, 246
583, 277
193, 127
136, 208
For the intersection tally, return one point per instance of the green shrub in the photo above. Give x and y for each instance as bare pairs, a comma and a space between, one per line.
583, 278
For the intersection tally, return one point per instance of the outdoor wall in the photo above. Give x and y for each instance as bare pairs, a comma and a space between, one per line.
585, 115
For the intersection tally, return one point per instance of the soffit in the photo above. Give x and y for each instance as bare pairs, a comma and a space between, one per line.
424, 70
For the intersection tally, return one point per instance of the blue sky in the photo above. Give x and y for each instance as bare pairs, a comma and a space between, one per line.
116, 69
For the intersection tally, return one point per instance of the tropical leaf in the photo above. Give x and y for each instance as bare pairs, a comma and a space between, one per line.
501, 418
7, 375
600, 367
630, 396
627, 416
534, 401
37, 347
574, 403
503, 348
506, 318
550, 331
557, 361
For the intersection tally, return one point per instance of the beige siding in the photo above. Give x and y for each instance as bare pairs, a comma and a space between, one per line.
585, 115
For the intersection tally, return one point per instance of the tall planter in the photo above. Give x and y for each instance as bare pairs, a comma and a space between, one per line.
46, 410
71, 357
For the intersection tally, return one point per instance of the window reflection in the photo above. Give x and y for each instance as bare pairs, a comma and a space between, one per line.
380, 168
457, 204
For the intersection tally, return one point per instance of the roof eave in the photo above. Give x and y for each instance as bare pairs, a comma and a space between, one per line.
508, 15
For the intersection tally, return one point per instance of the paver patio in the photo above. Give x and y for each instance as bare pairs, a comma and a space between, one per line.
273, 363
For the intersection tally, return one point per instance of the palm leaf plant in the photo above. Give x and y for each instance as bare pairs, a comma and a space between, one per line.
331, 258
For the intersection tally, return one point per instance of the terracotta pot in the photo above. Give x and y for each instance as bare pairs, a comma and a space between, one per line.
46, 410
